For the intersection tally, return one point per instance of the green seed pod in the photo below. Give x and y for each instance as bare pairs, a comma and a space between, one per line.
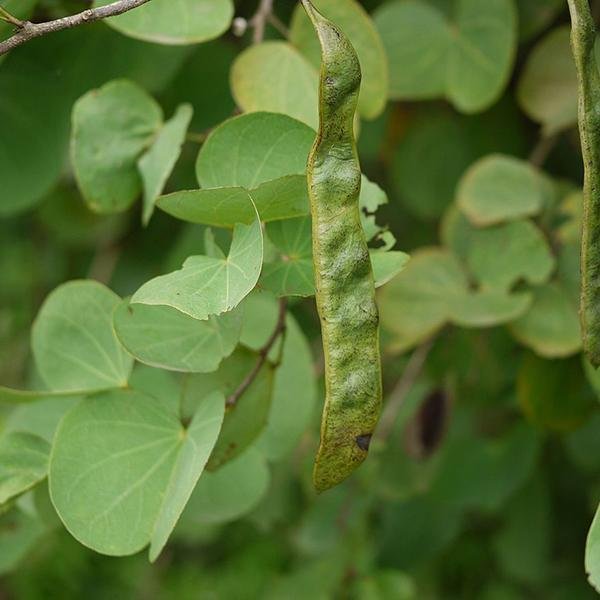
345, 291
583, 36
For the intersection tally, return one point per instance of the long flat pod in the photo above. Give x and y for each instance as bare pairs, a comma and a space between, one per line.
345, 290
583, 38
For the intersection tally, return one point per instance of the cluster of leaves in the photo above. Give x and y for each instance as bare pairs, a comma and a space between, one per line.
139, 424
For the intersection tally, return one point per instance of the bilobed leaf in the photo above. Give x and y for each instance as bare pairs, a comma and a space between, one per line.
228, 493
295, 385
168, 22
156, 164
355, 22
163, 337
547, 89
275, 77
208, 285
111, 128
123, 467
247, 418
282, 198
465, 54
74, 345
501, 188
253, 148
551, 326
23, 463
500, 256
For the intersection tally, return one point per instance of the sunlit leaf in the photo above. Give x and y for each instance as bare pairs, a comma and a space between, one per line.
275, 77
183, 22
112, 126
156, 164
74, 345
163, 337
123, 468
209, 285
23, 463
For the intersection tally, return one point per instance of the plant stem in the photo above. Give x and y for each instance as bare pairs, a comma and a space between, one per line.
27, 30
259, 20
263, 354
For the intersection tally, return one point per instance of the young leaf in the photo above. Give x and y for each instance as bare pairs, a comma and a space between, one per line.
123, 467
111, 128
156, 164
163, 337
23, 463
209, 285
356, 23
74, 345
275, 77
254, 148
185, 22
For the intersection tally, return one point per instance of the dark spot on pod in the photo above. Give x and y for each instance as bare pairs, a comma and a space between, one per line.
363, 441
329, 80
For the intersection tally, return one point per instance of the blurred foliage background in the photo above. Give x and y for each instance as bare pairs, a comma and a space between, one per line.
486, 473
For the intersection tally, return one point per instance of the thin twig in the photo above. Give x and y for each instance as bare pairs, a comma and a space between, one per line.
11, 19
542, 150
27, 30
278, 24
259, 20
396, 398
263, 353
